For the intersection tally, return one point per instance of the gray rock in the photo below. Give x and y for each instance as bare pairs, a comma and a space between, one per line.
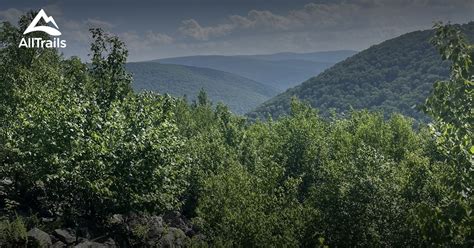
156, 228
175, 219
90, 244
116, 219
83, 232
6, 182
38, 238
110, 243
59, 244
64, 236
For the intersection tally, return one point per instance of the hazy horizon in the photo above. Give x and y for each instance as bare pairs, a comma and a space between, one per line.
165, 29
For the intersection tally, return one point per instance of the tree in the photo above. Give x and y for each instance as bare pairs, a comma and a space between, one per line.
109, 56
451, 105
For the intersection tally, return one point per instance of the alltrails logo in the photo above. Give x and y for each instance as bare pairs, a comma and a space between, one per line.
39, 42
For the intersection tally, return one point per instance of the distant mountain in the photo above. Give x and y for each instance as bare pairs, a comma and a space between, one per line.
281, 70
239, 93
394, 76
328, 56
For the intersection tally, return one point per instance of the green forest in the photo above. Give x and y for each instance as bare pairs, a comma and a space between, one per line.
82, 153
395, 76
240, 94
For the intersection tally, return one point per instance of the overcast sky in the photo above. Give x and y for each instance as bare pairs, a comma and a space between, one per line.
169, 28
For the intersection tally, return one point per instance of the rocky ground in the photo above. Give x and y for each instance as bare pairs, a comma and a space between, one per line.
132, 230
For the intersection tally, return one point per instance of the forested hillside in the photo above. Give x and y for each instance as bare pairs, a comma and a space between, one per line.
327, 56
394, 76
86, 161
239, 93
279, 71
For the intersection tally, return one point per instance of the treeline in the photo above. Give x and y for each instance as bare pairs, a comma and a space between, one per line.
78, 145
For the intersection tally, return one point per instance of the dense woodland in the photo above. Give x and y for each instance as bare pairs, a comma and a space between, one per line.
238, 93
78, 147
394, 76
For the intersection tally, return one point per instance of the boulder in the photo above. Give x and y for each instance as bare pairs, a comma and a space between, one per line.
175, 219
6, 182
64, 236
110, 243
59, 244
156, 229
38, 238
90, 244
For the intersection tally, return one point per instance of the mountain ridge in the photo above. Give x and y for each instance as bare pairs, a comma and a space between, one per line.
280, 71
393, 76
239, 93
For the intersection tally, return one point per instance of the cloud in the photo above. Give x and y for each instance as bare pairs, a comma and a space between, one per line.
319, 25
158, 38
193, 29
311, 15
338, 15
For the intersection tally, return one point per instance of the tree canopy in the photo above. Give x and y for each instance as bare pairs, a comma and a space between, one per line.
78, 146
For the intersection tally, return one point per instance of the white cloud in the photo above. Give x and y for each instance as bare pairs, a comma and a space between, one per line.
343, 16
193, 29
158, 38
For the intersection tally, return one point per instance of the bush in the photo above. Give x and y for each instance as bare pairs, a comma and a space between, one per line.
12, 232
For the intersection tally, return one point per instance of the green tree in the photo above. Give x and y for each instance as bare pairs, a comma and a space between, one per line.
109, 56
452, 107
81, 143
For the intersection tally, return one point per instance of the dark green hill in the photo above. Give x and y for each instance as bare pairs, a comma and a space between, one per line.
239, 93
394, 76
280, 71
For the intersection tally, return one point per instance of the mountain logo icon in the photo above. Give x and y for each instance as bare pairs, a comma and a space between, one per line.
47, 29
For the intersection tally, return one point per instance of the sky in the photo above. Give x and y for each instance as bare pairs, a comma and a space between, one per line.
171, 28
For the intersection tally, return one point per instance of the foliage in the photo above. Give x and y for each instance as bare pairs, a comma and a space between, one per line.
84, 146
394, 76
451, 105
77, 144
12, 232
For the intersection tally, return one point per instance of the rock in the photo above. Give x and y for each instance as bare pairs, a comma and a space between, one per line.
81, 240
116, 219
173, 238
64, 236
145, 227
47, 220
175, 219
6, 182
156, 229
83, 232
90, 244
110, 243
59, 244
189, 232
38, 238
